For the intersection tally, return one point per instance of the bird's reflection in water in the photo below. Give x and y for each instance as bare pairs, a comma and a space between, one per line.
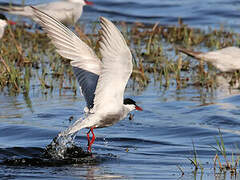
94, 172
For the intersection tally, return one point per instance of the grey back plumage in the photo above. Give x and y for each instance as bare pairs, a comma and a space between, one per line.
87, 82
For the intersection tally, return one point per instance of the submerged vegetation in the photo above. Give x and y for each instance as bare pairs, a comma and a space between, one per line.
27, 59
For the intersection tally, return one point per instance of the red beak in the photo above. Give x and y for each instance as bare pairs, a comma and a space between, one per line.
88, 2
138, 108
11, 22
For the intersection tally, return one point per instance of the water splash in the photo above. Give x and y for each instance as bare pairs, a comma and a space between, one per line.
63, 147
58, 147
61, 151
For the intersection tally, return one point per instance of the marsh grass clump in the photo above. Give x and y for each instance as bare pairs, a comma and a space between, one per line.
223, 161
28, 58
228, 163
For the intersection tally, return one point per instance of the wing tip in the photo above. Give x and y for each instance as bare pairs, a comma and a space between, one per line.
35, 10
37, 13
188, 52
105, 21
40, 14
102, 18
33, 7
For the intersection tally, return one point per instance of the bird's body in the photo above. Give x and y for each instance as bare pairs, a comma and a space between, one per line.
226, 59
102, 82
101, 117
67, 12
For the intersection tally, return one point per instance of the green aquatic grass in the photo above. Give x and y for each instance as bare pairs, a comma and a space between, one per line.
195, 160
28, 56
222, 162
231, 163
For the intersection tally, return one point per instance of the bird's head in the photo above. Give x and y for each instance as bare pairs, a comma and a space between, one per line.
131, 105
4, 21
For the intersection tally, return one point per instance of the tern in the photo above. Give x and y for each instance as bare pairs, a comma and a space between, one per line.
3, 23
226, 59
67, 12
102, 82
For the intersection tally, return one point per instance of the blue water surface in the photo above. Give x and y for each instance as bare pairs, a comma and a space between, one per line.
158, 139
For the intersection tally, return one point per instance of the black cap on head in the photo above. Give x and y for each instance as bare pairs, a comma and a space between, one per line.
129, 101
3, 17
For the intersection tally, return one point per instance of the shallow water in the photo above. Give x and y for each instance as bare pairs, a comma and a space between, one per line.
157, 140
149, 146
197, 13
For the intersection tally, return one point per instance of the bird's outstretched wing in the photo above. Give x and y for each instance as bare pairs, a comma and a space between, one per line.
86, 64
116, 68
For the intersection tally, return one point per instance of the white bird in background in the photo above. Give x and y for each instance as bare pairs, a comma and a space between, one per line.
226, 59
102, 82
3, 23
67, 12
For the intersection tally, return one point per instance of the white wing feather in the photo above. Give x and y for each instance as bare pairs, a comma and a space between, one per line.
68, 44
116, 68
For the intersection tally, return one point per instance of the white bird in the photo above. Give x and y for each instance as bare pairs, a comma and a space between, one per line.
67, 12
226, 59
102, 82
3, 23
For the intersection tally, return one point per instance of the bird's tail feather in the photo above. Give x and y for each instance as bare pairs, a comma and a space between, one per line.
79, 124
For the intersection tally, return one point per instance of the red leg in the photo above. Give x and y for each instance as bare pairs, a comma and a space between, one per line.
92, 141
88, 138
93, 137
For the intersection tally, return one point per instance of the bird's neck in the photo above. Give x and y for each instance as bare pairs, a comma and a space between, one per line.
127, 109
3, 24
